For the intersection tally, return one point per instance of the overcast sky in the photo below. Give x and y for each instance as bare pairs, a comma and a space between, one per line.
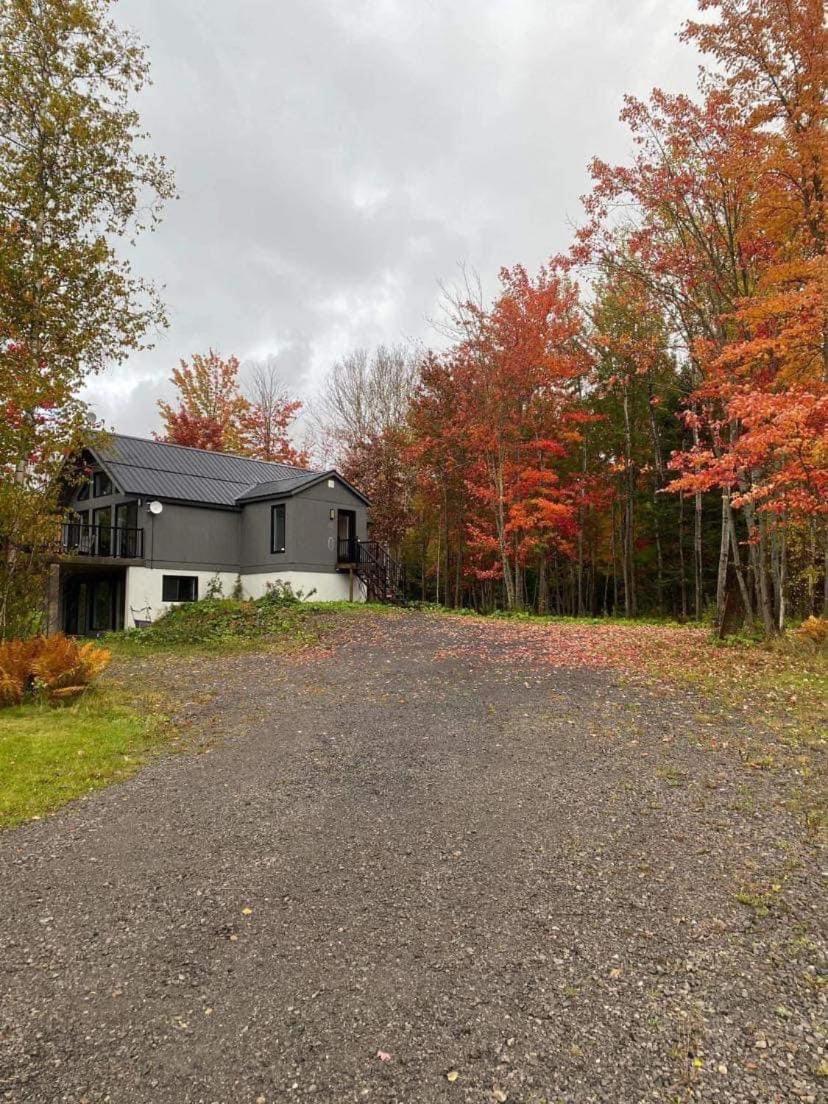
336, 159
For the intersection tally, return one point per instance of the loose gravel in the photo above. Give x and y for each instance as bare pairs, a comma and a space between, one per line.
390, 871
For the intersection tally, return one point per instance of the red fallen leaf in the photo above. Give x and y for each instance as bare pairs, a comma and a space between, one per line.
383, 1056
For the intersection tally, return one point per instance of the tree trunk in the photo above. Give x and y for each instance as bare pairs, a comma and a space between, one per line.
682, 571
543, 585
744, 589
721, 576
697, 556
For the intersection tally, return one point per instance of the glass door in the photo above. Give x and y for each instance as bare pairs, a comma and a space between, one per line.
346, 536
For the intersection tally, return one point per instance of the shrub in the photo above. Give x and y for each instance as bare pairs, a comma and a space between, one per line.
57, 666
282, 594
16, 675
64, 668
223, 623
214, 587
814, 630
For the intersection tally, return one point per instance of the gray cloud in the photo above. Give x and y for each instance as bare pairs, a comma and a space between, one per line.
335, 159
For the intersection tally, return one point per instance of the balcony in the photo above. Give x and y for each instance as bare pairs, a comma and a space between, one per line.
113, 542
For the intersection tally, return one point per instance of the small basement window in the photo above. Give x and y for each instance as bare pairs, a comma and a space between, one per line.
277, 528
179, 588
102, 485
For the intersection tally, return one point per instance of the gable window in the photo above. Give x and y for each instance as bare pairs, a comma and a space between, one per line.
179, 588
277, 528
102, 485
83, 490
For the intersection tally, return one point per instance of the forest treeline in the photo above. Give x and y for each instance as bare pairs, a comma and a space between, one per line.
640, 427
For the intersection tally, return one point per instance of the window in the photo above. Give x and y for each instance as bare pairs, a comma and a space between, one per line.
83, 491
126, 529
102, 485
102, 521
126, 515
277, 528
179, 588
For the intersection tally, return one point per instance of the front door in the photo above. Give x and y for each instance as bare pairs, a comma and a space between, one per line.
346, 536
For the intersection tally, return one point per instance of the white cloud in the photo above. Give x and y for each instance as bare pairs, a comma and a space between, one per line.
336, 160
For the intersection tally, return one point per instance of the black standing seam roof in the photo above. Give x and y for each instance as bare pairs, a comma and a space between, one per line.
156, 469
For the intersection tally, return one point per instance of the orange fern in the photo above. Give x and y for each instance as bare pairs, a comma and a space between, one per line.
16, 660
64, 669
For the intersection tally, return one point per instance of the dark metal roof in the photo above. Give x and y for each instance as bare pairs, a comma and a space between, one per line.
276, 487
279, 488
155, 469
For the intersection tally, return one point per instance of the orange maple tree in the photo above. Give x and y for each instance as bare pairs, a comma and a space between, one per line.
212, 413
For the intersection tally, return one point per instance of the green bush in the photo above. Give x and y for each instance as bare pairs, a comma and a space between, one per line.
220, 623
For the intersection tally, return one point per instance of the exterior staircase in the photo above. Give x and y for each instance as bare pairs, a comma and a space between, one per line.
382, 575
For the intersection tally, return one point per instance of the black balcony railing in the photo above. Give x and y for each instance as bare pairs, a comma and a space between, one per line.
101, 540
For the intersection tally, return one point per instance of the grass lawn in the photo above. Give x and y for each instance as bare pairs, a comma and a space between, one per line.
50, 756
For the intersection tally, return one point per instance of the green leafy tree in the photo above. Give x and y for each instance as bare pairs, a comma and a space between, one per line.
76, 180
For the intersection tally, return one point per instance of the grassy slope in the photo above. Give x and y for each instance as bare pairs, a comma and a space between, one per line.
50, 756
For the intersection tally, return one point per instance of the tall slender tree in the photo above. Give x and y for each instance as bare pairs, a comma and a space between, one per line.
76, 181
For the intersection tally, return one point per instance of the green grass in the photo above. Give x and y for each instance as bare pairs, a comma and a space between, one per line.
50, 756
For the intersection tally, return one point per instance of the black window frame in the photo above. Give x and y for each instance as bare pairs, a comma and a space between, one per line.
278, 517
102, 529
170, 583
97, 480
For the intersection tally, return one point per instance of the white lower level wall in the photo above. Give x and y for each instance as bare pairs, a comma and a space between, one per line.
328, 586
144, 587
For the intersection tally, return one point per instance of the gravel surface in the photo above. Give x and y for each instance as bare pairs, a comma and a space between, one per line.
399, 871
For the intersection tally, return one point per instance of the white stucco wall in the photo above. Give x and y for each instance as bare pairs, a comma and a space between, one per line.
144, 587
329, 586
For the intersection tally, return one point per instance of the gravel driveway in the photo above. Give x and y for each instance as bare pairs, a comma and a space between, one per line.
408, 870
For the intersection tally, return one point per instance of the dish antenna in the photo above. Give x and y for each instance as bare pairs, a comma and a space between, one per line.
155, 507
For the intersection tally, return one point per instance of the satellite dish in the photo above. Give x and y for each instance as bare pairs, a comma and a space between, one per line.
155, 507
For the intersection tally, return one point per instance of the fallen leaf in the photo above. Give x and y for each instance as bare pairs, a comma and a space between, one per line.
383, 1056
452, 1076
247, 911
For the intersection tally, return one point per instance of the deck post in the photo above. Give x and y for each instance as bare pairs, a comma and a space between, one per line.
53, 599
350, 584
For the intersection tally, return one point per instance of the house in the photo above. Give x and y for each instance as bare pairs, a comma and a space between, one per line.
156, 524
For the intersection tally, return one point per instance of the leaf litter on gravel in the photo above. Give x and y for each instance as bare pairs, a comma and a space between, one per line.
783, 690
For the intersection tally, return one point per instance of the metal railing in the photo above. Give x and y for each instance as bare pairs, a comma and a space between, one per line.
383, 576
347, 550
114, 541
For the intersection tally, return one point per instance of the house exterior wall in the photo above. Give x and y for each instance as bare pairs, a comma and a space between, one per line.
314, 586
202, 538
144, 587
310, 533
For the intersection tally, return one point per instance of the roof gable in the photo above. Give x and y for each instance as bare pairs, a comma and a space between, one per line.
295, 484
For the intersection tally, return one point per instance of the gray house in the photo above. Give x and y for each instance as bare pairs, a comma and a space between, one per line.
152, 524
